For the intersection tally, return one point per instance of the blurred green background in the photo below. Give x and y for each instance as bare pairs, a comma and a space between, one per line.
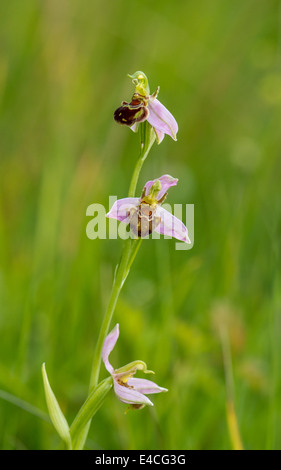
63, 67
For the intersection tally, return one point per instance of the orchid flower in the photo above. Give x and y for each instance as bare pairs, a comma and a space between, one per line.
146, 215
127, 388
144, 106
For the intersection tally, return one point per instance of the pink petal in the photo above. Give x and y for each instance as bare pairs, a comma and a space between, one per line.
130, 396
159, 136
145, 386
121, 207
161, 119
108, 346
171, 225
166, 182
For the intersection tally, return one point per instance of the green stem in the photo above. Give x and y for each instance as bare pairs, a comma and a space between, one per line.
135, 248
130, 250
88, 409
117, 286
120, 277
147, 139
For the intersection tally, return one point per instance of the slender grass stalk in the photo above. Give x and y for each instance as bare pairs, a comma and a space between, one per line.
274, 332
231, 416
130, 250
233, 426
24, 405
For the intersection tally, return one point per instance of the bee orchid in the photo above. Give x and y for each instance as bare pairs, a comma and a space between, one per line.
146, 215
127, 388
144, 106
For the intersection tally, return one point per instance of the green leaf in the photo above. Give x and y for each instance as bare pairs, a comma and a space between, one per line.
55, 412
81, 423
